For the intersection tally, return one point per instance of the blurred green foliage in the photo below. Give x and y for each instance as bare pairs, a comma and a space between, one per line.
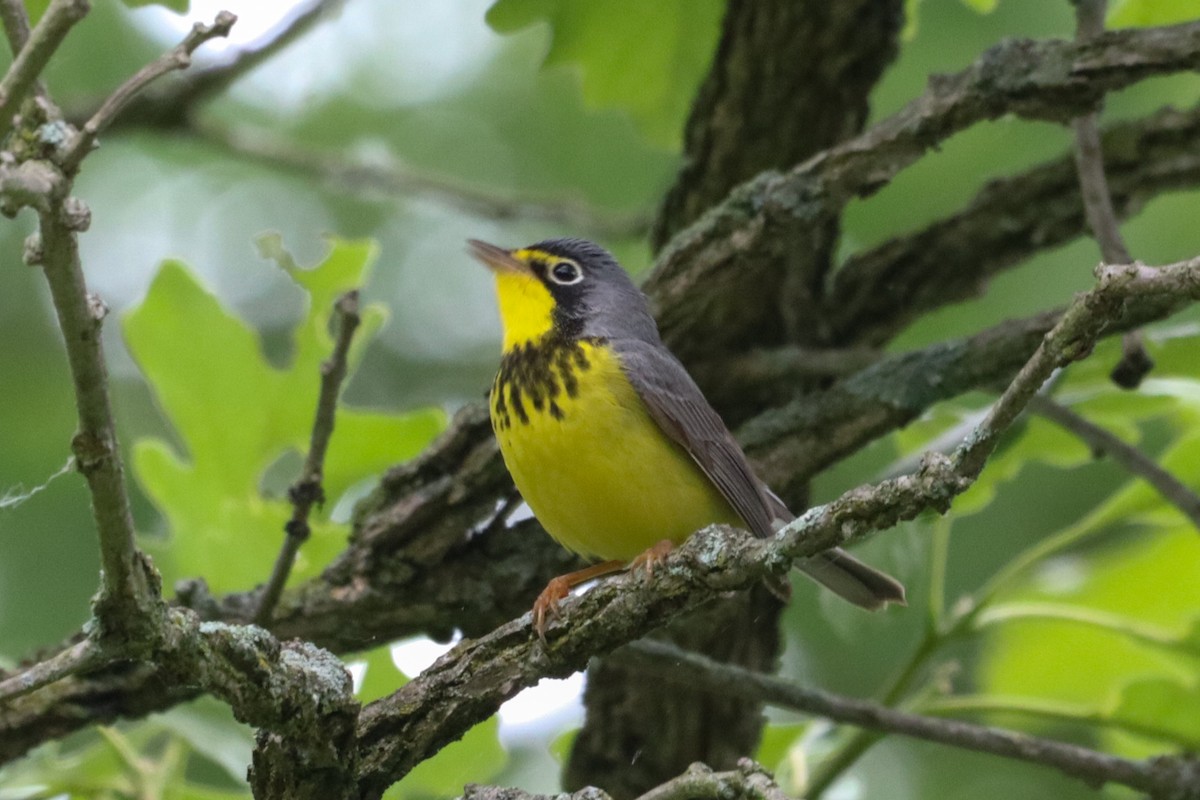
1058, 597
644, 58
236, 415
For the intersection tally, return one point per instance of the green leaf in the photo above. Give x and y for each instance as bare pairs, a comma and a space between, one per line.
209, 727
645, 58
191, 791
982, 6
1147, 582
777, 742
235, 414
382, 676
1140, 13
175, 5
560, 747
1166, 705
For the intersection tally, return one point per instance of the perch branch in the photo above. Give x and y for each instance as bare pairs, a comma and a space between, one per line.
307, 490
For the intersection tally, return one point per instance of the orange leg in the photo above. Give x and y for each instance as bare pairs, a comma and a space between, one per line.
560, 587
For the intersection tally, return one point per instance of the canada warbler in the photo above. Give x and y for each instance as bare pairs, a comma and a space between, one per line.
608, 438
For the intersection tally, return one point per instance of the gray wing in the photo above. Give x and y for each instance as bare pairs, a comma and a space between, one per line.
676, 403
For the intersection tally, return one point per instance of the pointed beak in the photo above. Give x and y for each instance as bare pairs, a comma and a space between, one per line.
496, 258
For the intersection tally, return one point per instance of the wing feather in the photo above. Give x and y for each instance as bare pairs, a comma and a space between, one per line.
676, 403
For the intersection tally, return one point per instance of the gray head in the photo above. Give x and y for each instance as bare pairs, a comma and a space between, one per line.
593, 295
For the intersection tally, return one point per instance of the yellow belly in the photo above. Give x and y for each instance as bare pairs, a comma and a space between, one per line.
598, 473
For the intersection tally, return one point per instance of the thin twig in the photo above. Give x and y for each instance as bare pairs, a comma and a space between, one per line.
16, 24
80, 656
127, 577
179, 57
1135, 461
393, 180
1160, 777
203, 83
42, 42
1097, 199
307, 489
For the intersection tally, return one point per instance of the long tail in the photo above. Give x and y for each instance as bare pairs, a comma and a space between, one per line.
852, 580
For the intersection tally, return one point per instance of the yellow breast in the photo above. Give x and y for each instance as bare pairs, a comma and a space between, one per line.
595, 468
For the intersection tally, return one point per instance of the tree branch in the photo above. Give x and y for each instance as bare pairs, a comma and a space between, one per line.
719, 273
1129, 457
42, 42
179, 58
307, 489
748, 782
879, 291
1161, 777
74, 659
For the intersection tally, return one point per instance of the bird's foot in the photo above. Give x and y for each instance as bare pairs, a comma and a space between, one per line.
651, 558
558, 588
547, 602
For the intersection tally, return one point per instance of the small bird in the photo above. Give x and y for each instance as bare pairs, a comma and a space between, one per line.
607, 437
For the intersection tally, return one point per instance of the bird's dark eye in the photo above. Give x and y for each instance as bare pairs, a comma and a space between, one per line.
566, 273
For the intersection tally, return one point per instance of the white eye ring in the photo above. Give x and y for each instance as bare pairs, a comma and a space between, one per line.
565, 273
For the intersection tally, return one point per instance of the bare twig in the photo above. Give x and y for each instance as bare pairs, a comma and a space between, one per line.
77, 658
16, 23
203, 83
307, 490
42, 42
1162, 777
1135, 461
129, 581
1072, 338
1097, 199
178, 58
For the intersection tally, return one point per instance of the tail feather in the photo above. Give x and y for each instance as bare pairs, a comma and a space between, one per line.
852, 580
